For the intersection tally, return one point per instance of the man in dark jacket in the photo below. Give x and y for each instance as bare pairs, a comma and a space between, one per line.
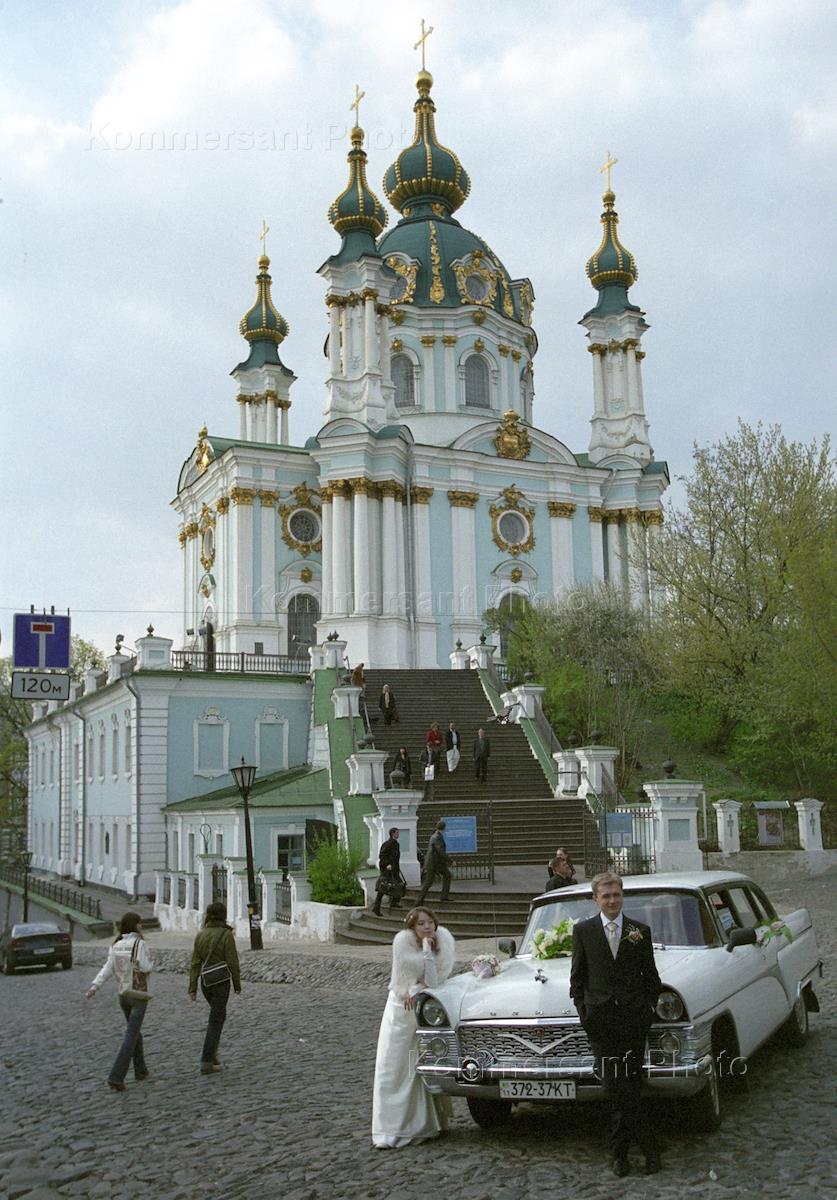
482, 750
436, 863
614, 985
389, 865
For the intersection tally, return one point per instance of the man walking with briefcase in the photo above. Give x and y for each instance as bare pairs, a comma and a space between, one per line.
389, 881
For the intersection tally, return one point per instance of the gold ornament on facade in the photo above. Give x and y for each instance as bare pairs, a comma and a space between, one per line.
303, 502
611, 516
397, 317
268, 499
306, 575
516, 574
503, 350
479, 345
511, 439
512, 502
192, 530
243, 496
203, 451
181, 537
595, 514
449, 339
516, 355
475, 267
428, 340
478, 317
206, 590
362, 486
439, 210
437, 288
420, 495
223, 505
408, 272
653, 517
558, 508
397, 345
463, 499
527, 302
390, 488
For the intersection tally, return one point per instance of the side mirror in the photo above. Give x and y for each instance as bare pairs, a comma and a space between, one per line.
741, 937
508, 946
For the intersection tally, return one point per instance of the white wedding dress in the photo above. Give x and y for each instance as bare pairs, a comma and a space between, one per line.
403, 1111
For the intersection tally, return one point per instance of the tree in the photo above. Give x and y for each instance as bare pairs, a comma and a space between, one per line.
747, 570
592, 653
15, 715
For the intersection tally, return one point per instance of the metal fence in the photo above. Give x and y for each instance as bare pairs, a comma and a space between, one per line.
284, 907
239, 662
61, 893
618, 837
219, 883
762, 826
464, 864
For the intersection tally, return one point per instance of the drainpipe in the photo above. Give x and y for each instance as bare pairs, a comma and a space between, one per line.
137, 734
74, 709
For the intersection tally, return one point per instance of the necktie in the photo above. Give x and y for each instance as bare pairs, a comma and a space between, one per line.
612, 939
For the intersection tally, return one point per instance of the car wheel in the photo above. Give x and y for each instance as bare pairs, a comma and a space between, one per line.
8, 969
490, 1114
795, 1029
704, 1109
67, 964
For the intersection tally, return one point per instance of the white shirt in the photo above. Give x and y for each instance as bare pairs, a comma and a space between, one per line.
617, 921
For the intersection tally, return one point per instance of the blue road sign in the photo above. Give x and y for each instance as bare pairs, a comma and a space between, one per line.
620, 830
42, 640
461, 835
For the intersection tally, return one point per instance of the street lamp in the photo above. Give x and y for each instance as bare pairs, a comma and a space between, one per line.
25, 857
244, 776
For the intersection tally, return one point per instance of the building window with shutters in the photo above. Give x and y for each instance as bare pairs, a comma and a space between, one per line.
477, 383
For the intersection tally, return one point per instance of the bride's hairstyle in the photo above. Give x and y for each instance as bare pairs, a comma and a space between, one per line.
411, 919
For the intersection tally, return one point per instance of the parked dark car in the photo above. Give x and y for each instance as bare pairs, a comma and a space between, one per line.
35, 945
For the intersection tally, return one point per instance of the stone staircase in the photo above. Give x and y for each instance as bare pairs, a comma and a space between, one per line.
483, 914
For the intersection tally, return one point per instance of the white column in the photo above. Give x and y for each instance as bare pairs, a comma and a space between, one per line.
598, 381
727, 818
675, 802
808, 814
423, 582
267, 532
334, 339
242, 419
449, 342
373, 514
568, 772
561, 542
284, 439
327, 599
241, 516
463, 555
389, 551
270, 406
631, 389
340, 533
596, 544
637, 568
401, 557
429, 397
371, 346
653, 532
614, 549
361, 544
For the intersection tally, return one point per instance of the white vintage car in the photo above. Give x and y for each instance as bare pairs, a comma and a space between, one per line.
733, 974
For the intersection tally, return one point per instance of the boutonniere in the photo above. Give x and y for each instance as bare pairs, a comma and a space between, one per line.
634, 936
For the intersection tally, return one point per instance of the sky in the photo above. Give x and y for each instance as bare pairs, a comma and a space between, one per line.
142, 145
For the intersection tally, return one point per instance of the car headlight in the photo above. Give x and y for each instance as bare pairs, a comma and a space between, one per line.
669, 1006
670, 1043
432, 1013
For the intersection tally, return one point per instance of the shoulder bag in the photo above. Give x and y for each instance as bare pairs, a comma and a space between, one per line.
138, 991
211, 976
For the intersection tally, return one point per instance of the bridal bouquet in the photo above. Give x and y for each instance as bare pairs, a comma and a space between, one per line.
555, 942
485, 965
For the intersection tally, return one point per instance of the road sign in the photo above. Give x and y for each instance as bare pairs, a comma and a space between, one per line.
40, 685
461, 835
42, 640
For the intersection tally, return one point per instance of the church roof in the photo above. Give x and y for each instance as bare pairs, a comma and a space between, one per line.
263, 325
284, 789
611, 269
426, 172
357, 214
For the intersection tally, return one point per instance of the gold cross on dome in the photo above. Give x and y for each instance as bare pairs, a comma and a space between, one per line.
356, 103
425, 34
263, 235
605, 169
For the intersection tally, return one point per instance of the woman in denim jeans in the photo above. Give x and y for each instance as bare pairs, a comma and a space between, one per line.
215, 944
127, 952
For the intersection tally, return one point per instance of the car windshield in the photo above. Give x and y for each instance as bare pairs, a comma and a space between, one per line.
675, 918
29, 930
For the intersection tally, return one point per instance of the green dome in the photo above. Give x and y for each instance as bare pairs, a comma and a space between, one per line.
263, 322
426, 171
357, 207
455, 267
612, 269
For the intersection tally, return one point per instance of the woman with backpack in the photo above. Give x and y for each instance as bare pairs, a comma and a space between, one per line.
215, 963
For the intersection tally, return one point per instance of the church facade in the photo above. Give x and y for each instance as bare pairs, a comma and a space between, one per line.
429, 493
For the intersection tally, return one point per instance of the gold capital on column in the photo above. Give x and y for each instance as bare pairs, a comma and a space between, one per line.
463, 499
595, 514
557, 508
421, 495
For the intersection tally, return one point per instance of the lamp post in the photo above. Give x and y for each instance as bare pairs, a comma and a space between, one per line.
244, 776
25, 861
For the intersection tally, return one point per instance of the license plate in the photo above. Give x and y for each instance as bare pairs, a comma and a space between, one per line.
47, 950
536, 1089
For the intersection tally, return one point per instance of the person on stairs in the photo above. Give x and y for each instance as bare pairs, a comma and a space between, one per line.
453, 746
389, 880
436, 863
482, 752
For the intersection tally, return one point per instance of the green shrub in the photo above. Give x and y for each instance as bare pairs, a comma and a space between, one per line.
333, 873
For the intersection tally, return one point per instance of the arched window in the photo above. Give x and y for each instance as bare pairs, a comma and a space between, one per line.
101, 751
477, 394
114, 735
402, 376
303, 614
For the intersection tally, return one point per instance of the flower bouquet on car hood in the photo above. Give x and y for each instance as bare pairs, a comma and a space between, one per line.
556, 942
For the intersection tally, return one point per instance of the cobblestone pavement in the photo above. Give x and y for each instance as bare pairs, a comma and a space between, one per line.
289, 1115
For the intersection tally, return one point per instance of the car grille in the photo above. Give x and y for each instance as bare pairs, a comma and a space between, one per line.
514, 1043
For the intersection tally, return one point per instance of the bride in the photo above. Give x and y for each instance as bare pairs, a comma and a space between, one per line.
403, 1111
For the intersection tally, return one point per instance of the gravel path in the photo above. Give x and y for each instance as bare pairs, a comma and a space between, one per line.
289, 1115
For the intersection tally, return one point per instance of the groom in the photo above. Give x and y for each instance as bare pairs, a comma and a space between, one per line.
614, 985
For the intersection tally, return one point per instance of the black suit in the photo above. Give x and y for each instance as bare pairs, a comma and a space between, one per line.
436, 863
615, 998
389, 865
482, 751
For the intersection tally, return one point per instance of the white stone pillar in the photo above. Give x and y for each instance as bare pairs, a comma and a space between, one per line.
241, 522
569, 772
593, 762
597, 353
242, 418
561, 539
637, 564
422, 584
631, 390
675, 804
729, 830
205, 863
808, 814
335, 654
362, 549
401, 555
428, 341
340, 545
346, 701
397, 809
460, 660
463, 557
284, 439
615, 574
528, 696
334, 340
389, 550
482, 654
596, 544
271, 406
366, 772
449, 343
267, 584
371, 342
328, 587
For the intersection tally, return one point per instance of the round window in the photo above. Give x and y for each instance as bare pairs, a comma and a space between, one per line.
476, 287
513, 528
304, 526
